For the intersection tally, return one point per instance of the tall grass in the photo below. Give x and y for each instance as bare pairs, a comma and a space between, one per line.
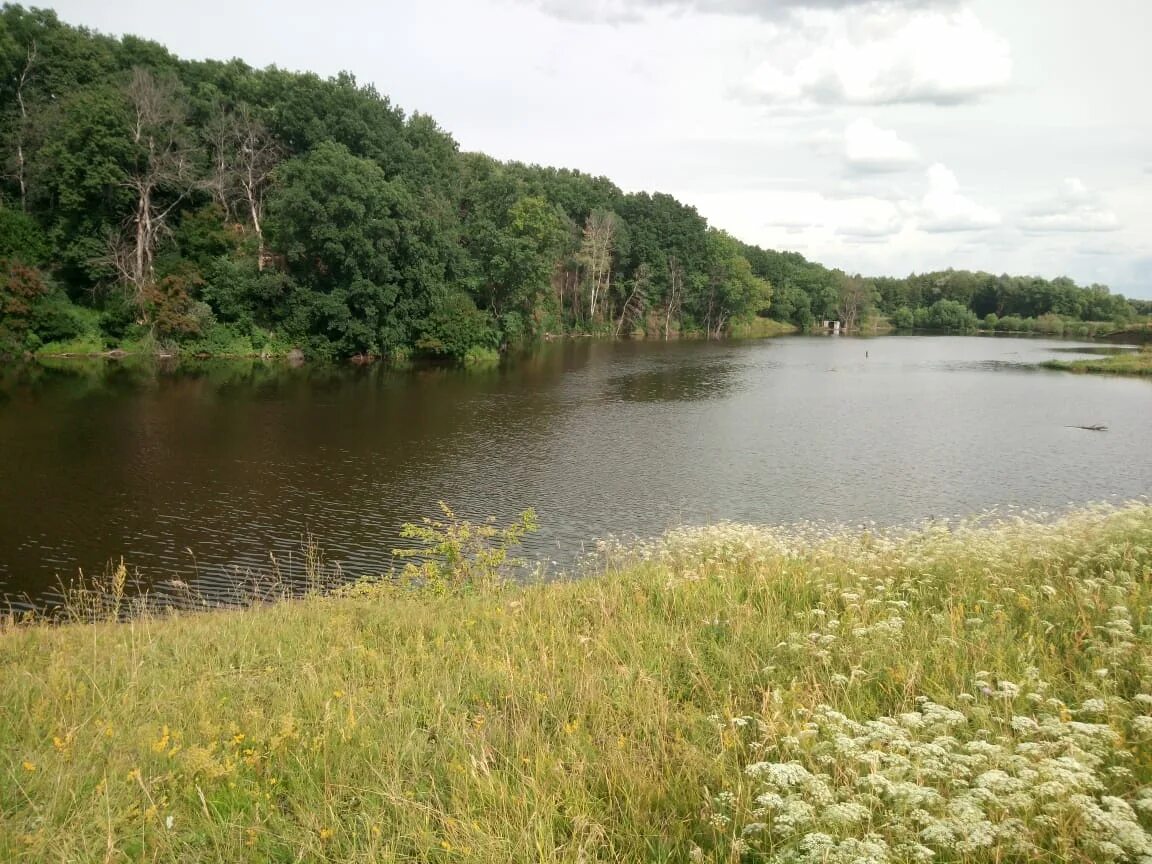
1136, 363
729, 693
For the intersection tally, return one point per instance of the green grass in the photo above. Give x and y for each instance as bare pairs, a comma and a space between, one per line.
1137, 363
86, 346
634, 715
761, 328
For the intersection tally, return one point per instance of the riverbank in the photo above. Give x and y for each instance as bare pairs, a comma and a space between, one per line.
729, 689
1137, 363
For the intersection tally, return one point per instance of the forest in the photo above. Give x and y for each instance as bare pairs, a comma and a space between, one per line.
154, 204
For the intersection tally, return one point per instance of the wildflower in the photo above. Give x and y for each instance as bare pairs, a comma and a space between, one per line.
161, 744
30, 767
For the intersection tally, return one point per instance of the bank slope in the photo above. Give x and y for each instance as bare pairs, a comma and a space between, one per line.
963, 694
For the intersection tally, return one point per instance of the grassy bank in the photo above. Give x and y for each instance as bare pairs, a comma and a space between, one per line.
732, 693
1136, 363
761, 328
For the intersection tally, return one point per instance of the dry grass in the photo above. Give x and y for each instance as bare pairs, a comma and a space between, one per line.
614, 718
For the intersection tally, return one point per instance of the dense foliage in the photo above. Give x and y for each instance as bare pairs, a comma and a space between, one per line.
153, 203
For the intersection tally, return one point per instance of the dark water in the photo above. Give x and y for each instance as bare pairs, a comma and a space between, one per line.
191, 473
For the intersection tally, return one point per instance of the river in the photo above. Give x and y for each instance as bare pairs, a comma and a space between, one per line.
203, 471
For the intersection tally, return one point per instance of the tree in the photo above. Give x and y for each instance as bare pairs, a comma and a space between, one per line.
857, 297
636, 303
595, 256
244, 155
338, 223
160, 177
730, 289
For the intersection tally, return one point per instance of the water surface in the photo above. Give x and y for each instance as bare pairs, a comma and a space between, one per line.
199, 471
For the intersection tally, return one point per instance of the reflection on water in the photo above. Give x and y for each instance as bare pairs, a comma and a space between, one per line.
667, 380
202, 471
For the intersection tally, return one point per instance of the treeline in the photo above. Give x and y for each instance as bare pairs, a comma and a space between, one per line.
212, 207
953, 300
965, 301
153, 203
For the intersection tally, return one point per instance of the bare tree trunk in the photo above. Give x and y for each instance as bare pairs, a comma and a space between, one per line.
161, 165
596, 252
675, 293
244, 156
21, 166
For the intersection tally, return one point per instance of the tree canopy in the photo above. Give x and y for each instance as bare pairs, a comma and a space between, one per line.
152, 202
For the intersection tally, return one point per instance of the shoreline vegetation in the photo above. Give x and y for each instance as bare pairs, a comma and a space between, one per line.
204, 208
971, 692
1138, 363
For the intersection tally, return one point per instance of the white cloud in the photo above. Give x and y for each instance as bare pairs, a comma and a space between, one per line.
881, 54
791, 225
868, 220
945, 208
627, 11
1075, 208
868, 149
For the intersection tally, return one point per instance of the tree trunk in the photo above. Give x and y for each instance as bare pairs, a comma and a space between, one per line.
21, 166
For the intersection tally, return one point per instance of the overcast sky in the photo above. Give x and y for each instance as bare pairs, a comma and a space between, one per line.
880, 137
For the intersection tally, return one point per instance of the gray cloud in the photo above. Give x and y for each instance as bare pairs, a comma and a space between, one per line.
877, 233
1075, 209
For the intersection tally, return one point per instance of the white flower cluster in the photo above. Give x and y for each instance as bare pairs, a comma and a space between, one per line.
931, 784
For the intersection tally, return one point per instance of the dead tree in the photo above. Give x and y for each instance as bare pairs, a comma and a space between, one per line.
22, 81
596, 256
675, 298
637, 300
160, 179
244, 155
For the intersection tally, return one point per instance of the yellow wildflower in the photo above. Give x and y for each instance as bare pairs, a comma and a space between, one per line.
30, 767
160, 745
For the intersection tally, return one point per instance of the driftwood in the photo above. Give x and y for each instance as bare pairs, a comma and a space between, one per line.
1096, 428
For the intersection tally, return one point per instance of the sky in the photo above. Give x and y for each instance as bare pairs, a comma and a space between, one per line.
879, 136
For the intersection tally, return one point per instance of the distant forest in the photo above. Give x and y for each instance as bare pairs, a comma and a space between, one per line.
150, 203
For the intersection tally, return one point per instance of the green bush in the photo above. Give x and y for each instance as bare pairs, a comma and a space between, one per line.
21, 238
947, 315
903, 318
479, 357
458, 556
55, 318
221, 340
457, 329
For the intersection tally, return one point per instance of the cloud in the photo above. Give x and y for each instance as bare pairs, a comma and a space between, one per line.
629, 11
794, 225
945, 209
880, 55
868, 149
1075, 208
868, 220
